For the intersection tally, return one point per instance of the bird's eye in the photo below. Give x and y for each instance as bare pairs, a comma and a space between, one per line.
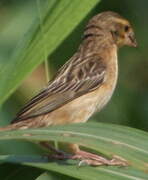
115, 33
126, 28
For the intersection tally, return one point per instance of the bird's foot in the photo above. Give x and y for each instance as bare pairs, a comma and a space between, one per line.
96, 160
90, 159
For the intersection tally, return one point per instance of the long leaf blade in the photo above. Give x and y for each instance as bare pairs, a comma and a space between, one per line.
106, 139
59, 19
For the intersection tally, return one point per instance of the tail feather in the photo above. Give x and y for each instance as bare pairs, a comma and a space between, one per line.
22, 125
7, 128
19, 125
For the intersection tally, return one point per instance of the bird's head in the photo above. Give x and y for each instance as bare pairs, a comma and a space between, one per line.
120, 29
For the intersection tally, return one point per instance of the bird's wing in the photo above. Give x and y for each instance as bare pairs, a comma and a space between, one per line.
77, 79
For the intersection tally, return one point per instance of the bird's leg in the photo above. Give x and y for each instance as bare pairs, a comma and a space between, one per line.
84, 157
96, 160
50, 147
92, 159
57, 154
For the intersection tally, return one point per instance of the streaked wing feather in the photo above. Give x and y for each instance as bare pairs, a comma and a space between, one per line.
84, 78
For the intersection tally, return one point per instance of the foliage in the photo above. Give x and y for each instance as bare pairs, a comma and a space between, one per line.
108, 140
51, 25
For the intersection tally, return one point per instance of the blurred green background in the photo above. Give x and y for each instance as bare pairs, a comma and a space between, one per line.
129, 104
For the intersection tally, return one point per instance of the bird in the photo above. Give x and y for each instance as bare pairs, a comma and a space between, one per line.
82, 86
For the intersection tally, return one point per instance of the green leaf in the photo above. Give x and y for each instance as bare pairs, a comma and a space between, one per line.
70, 168
47, 176
17, 172
59, 18
127, 143
94, 173
53, 176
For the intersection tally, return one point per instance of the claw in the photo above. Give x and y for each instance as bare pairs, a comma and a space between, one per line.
96, 160
82, 162
88, 158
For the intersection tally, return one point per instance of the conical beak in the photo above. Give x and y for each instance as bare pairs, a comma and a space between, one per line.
133, 41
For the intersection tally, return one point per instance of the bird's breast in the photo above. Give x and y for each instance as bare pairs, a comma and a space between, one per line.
81, 108
106, 90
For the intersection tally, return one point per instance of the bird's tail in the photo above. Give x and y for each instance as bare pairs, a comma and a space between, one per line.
7, 128
21, 125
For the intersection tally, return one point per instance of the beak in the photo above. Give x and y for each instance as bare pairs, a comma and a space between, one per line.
133, 41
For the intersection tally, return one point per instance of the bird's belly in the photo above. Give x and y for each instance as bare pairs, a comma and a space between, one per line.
80, 109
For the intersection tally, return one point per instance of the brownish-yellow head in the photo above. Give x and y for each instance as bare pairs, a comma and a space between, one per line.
120, 29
